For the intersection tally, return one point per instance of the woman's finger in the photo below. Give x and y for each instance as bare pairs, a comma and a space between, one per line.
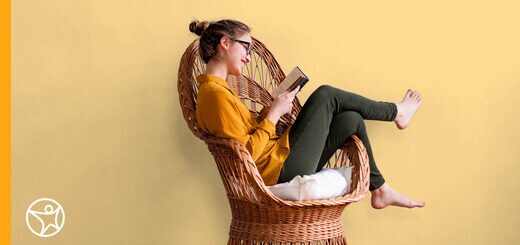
296, 90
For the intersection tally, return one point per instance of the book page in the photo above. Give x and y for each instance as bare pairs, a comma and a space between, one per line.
293, 77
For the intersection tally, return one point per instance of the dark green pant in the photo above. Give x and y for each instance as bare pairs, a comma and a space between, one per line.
328, 118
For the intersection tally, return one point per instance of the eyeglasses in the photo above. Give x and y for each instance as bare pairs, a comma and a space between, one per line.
246, 45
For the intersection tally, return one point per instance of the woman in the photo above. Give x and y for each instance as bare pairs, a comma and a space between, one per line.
326, 120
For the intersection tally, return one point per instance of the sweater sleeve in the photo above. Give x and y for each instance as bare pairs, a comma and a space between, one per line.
218, 114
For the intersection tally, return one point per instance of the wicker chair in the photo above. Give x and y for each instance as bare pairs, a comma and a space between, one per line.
259, 217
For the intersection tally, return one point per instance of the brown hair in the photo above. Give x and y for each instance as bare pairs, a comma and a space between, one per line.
211, 32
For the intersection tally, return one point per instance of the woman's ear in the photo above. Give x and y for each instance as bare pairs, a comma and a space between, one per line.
225, 42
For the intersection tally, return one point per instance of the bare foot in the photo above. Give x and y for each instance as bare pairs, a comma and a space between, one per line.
385, 196
406, 109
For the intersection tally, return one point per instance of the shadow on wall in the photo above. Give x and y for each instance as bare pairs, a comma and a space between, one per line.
197, 188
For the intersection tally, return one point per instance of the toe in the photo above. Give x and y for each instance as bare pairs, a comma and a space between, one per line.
417, 95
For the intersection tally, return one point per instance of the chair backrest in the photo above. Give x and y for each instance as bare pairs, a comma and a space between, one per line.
262, 76
238, 171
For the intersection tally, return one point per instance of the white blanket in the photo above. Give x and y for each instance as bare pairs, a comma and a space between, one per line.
328, 183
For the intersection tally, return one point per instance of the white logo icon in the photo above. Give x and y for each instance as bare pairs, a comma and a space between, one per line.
45, 217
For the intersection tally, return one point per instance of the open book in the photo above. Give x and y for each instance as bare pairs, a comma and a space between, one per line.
291, 81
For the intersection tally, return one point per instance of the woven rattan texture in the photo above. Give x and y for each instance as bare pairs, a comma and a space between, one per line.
258, 217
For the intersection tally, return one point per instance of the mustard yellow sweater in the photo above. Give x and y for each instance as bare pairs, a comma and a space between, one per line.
220, 112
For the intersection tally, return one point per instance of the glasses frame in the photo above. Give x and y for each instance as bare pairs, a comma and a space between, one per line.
248, 47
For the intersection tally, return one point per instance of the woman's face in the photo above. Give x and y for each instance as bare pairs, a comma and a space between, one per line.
238, 54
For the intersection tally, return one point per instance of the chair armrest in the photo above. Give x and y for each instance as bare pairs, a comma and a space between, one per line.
243, 181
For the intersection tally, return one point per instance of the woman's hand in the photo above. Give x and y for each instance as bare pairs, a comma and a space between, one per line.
282, 105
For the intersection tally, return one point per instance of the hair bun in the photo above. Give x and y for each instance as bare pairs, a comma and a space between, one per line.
198, 27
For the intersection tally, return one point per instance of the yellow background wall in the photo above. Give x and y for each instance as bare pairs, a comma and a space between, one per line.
97, 126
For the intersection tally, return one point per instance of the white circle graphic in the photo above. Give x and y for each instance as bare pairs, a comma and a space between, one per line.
45, 217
